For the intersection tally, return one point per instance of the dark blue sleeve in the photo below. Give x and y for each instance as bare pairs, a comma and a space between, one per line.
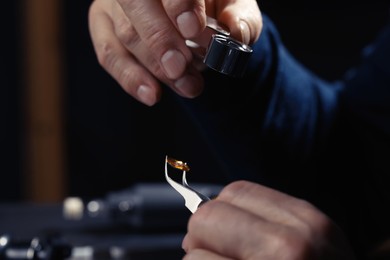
326, 142
278, 107
300, 108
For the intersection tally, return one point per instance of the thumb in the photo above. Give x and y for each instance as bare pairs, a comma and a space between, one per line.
242, 17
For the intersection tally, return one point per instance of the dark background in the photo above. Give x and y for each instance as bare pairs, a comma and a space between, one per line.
10, 98
113, 141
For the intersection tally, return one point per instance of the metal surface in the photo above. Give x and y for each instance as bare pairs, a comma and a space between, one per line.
192, 198
219, 51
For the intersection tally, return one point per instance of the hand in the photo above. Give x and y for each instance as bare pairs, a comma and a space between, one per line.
142, 43
250, 221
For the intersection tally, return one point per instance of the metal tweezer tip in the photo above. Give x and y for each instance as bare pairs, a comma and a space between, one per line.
192, 198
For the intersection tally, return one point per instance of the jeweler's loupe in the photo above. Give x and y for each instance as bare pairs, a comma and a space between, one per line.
220, 51
228, 56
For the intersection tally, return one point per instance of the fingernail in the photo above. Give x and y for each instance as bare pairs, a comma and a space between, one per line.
189, 86
146, 95
245, 32
173, 63
188, 24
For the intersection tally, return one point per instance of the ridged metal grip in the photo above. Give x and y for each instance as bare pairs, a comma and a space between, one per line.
227, 55
219, 51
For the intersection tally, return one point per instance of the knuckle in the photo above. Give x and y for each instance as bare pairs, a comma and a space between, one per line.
110, 61
289, 244
296, 248
233, 189
323, 225
126, 33
124, 3
127, 78
156, 70
202, 215
179, 6
315, 219
105, 54
158, 36
153, 67
304, 204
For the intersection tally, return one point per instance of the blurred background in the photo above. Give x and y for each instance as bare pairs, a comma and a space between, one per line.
68, 129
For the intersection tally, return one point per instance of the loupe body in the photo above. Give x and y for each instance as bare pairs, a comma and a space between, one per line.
228, 56
220, 52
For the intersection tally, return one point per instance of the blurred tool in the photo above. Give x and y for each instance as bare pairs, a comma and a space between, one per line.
37, 249
143, 206
55, 248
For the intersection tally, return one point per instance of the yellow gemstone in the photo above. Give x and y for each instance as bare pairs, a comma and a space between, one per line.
178, 164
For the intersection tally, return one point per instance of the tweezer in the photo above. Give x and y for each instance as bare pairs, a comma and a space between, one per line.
193, 199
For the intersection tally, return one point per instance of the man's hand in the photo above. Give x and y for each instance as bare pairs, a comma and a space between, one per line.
142, 43
250, 221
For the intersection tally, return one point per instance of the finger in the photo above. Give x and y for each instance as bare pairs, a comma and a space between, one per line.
243, 18
189, 16
201, 254
274, 206
189, 85
116, 60
159, 35
130, 39
232, 232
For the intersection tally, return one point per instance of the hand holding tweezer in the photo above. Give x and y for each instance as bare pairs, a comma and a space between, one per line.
193, 199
